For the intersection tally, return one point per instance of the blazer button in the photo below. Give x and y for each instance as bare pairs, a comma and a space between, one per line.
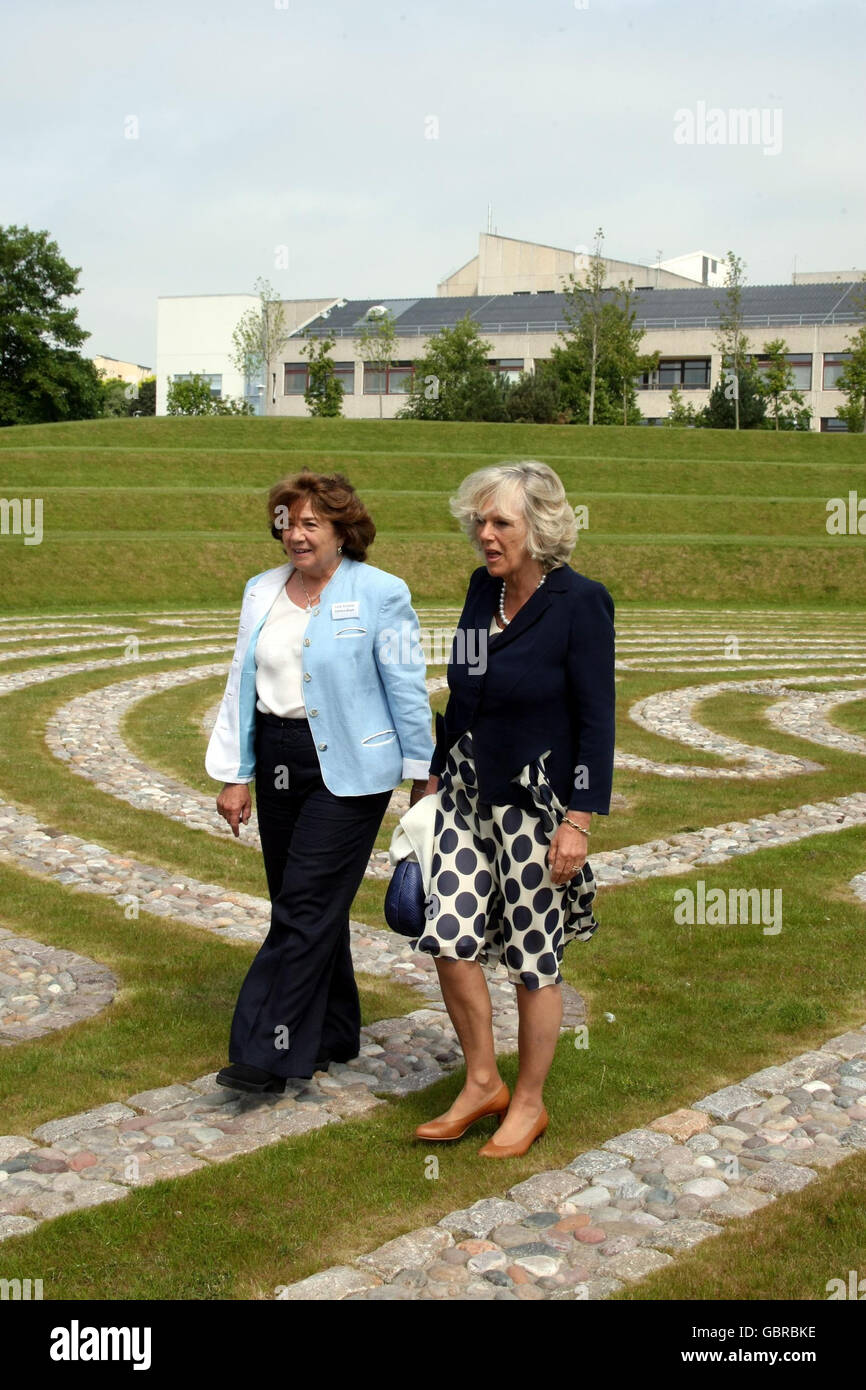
313, 713
307, 676
306, 641
322, 746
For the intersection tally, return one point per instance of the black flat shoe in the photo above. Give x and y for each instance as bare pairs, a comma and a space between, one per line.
240, 1077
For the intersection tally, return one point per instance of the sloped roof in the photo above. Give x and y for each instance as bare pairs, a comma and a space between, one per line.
503, 313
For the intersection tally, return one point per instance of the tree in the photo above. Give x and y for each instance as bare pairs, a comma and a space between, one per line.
621, 340
735, 403
42, 376
124, 398
377, 344
584, 309
143, 400
852, 381
453, 380
680, 415
599, 358
610, 396
115, 401
788, 408
852, 378
193, 397
226, 405
536, 399
324, 395
732, 341
259, 335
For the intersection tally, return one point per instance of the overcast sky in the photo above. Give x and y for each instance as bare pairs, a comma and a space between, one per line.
307, 124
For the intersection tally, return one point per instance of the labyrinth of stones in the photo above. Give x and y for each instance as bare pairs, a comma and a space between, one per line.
615, 1213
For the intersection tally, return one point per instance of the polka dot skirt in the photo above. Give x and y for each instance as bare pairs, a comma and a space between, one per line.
491, 896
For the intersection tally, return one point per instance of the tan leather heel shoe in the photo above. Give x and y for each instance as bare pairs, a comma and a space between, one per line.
494, 1150
455, 1129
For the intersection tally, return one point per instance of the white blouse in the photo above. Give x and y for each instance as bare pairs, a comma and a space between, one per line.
279, 659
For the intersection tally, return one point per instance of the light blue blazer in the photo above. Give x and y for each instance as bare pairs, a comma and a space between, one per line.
364, 683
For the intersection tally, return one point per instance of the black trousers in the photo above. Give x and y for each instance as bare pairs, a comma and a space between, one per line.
299, 1001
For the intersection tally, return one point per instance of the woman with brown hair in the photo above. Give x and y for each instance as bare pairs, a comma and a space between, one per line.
327, 723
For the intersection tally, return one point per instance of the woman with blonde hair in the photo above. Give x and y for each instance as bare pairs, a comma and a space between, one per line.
524, 756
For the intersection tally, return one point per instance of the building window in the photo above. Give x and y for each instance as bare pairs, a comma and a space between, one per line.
295, 383
834, 362
394, 380
345, 374
688, 373
214, 381
399, 379
801, 363
297, 378
508, 367
830, 425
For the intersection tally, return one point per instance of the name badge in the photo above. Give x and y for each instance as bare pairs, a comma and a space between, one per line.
345, 610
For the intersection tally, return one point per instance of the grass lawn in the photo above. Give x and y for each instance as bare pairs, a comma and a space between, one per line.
166, 513
171, 512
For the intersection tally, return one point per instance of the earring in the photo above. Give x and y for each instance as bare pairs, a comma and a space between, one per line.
339, 550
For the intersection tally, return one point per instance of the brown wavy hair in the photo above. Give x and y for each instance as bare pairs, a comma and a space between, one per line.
333, 498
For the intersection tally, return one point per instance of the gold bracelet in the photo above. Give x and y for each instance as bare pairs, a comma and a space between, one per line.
575, 826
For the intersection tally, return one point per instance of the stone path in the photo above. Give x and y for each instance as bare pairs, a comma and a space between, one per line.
678, 640
617, 1213
43, 988
671, 714
85, 733
100, 1155
805, 716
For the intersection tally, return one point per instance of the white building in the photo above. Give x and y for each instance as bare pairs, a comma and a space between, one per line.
194, 336
505, 265
522, 329
513, 290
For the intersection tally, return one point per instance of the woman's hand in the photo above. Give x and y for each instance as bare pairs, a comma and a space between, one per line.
567, 852
421, 788
235, 804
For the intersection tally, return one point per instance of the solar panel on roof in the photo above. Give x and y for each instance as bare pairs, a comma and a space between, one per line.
423, 317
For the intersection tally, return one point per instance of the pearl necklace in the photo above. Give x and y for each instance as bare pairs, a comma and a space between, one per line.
506, 621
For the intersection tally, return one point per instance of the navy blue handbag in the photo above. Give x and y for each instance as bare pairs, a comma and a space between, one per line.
405, 899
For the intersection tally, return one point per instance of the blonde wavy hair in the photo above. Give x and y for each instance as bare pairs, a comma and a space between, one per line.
527, 489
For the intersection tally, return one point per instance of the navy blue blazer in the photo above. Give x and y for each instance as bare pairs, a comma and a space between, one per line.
548, 685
